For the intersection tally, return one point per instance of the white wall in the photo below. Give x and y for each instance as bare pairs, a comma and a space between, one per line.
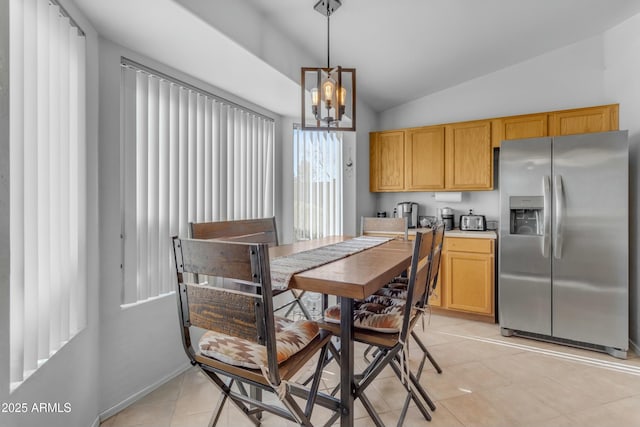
564, 78
621, 46
71, 375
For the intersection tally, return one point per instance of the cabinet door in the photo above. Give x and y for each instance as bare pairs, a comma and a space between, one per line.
469, 282
424, 158
437, 298
469, 156
388, 161
518, 127
584, 120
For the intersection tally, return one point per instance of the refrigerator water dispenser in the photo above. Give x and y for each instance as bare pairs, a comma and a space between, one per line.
526, 215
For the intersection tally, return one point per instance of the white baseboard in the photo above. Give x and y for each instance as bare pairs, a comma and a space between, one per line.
139, 395
96, 422
633, 346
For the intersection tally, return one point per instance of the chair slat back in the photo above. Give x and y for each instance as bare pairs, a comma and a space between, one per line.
423, 251
260, 230
220, 310
438, 241
398, 226
232, 312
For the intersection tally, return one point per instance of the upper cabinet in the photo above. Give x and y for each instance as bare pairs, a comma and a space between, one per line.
584, 120
518, 127
387, 168
459, 156
556, 123
424, 159
469, 156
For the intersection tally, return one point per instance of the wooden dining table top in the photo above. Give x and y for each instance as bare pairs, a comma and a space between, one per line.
356, 276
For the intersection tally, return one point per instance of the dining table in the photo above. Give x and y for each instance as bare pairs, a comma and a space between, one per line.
350, 278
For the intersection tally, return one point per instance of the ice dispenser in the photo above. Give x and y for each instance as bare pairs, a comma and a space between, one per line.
526, 215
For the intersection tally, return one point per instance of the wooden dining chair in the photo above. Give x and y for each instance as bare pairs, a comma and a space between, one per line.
382, 226
244, 344
259, 230
386, 324
398, 289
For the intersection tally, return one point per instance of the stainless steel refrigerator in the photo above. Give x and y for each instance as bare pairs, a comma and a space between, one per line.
564, 239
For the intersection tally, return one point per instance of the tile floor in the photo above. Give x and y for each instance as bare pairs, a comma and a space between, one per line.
488, 380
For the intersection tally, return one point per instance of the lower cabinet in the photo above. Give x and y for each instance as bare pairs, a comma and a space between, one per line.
467, 276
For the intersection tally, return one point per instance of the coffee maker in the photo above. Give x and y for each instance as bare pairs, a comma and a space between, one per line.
408, 210
446, 214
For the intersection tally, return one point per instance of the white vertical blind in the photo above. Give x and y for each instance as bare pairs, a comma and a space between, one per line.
317, 184
187, 156
47, 183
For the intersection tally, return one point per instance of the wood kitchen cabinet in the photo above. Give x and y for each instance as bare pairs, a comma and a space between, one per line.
468, 275
469, 156
459, 156
424, 158
518, 127
387, 168
584, 120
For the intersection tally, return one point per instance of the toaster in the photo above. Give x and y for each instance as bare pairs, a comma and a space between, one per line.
473, 222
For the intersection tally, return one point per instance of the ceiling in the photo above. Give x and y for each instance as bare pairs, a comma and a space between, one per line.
402, 49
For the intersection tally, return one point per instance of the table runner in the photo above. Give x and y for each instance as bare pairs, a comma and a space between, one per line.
283, 268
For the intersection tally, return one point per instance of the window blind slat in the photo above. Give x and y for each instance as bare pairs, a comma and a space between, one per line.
16, 196
44, 241
142, 177
129, 191
163, 202
153, 178
54, 170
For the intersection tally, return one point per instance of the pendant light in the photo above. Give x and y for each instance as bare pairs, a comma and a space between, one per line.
328, 93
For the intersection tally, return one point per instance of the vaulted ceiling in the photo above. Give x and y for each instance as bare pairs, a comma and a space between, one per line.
402, 49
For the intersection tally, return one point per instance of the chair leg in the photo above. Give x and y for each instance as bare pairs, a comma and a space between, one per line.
226, 391
372, 412
426, 352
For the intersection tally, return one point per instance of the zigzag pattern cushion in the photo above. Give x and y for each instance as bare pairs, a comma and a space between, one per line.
291, 337
393, 290
377, 313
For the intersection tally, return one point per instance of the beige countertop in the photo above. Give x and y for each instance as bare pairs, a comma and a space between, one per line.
459, 233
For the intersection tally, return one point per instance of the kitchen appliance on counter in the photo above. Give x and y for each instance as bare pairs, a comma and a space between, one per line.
408, 210
446, 215
473, 222
563, 253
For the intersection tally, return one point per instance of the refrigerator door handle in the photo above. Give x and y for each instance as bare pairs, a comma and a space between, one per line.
559, 222
546, 234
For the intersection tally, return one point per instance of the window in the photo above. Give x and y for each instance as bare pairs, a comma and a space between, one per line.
47, 184
317, 184
187, 155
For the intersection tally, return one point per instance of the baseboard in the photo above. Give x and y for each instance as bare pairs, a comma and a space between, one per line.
139, 395
96, 422
635, 347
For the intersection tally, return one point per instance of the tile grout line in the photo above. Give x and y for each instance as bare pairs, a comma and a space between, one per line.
614, 366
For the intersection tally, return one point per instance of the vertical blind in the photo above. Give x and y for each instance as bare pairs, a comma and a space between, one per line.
47, 183
317, 184
187, 156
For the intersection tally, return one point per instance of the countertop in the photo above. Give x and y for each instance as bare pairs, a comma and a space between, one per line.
459, 233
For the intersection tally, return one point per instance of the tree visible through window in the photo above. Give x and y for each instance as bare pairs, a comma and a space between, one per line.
317, 184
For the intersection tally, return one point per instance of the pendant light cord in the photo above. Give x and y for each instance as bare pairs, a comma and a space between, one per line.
328, 37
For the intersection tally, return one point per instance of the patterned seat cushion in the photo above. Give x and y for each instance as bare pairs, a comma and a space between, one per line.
291, 337
377, 313
394, 290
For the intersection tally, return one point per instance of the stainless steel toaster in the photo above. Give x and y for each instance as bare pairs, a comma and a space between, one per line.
473, 222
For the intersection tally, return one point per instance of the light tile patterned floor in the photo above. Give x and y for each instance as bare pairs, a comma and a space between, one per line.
488, 380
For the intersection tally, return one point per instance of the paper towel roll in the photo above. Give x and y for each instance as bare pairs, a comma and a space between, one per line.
449, 197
